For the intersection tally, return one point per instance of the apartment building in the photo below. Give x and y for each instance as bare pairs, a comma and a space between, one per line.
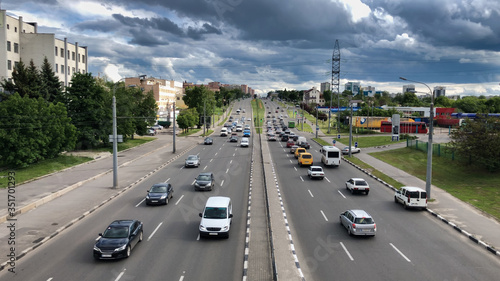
21, 41
166, 92
313, 96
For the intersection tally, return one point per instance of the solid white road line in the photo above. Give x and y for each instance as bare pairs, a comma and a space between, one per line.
347, 252
154, 231
326, 219
120, 275
140, 202
341, 193
397, 250
179, 200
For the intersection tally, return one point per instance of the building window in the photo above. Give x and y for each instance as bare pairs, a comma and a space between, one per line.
16, 48
62, 69
8, 26
79, 58
9, 65
83, 58
15, 64
56, 51
62, 53
68, 55
8, 46
15, 29
73, 55
73, 70
57, 67
69, 70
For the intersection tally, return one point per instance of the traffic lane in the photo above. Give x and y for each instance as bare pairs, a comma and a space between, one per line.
134, 197
367, 202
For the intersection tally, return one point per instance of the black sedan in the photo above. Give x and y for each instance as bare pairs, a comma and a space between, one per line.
233, 139
118, 239
208, 141
159, 193
305, 144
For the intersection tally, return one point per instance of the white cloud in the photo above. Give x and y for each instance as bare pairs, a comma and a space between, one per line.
358, 9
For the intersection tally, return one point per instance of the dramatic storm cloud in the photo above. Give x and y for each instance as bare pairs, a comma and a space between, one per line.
271, 44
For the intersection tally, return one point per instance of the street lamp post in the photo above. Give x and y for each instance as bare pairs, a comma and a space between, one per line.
428, 178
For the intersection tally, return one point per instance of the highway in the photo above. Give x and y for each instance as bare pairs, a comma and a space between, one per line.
171, 248
409, 245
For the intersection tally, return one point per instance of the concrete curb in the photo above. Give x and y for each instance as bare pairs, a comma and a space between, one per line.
468, 235
85, 214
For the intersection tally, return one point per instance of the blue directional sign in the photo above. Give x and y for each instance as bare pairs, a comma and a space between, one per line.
338, 136
334, 141
356, 144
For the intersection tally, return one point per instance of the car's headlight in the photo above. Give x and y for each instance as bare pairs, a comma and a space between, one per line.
196, 184
121, 248
147, 196
202, 228
96, 248
163, 197
226, 227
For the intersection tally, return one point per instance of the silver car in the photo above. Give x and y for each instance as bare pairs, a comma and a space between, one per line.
358, 222
192, 161
345, 150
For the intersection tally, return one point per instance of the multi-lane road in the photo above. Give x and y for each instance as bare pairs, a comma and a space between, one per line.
409, 245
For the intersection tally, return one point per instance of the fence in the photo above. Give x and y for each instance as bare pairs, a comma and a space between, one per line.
438, 149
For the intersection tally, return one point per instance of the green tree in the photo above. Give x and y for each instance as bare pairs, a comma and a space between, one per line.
188, 118
442, 101
32, 130
89, 106
145, 111
51, 89
478, 140
25, 81
202, 99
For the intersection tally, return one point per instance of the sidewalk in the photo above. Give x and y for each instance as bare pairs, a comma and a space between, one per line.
473, 223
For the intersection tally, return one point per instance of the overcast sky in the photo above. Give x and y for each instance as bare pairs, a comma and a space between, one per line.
277, 44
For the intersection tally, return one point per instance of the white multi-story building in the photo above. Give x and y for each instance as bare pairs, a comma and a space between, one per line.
20, 40
313, 96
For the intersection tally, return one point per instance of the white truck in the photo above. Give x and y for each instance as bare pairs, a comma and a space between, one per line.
411, 197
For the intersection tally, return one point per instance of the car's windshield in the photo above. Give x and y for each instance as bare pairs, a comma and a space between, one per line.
363, 220
215, 213
158, 189
192, 158
116, 232
203, 178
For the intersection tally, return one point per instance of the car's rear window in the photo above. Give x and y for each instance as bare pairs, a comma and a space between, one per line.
317, 169
333, 154
413, 194
307, 156
363, 220
362, 183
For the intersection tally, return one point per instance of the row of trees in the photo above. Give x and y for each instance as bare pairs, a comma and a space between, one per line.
40, 118
469, 104
202, 102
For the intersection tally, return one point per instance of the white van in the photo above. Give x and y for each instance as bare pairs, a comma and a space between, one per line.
411, 197
300, 139
330, 155
216, 217
223, 132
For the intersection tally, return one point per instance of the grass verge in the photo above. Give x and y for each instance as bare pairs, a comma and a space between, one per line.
43, 168
467, 183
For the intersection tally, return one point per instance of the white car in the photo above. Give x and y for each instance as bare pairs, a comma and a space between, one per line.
357, 185
244, 142
345, 150
315, 172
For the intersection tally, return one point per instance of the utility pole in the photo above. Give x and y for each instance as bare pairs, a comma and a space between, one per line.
204, 115
174, 130
115, 144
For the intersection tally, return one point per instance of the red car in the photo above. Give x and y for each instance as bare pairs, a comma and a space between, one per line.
290, 143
